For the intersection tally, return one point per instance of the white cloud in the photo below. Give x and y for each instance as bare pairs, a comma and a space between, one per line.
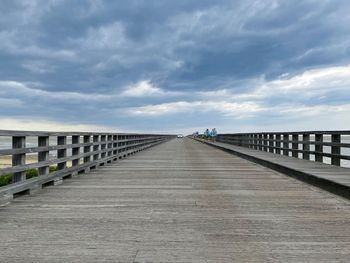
146, 89
142, 89
322, 82
310, 83
23, 91
299, 110
221, 93
32, 124
244, 109
19, 89
161, 109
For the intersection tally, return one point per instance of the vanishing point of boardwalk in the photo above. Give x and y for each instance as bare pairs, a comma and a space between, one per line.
181, 201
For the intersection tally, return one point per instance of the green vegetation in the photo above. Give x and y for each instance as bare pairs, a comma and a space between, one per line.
53, 169
31, 173
7, 178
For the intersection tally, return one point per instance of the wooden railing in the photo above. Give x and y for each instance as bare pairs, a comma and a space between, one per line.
331, 147
54, 156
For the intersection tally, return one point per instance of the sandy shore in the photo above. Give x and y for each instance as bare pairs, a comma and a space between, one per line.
6, 161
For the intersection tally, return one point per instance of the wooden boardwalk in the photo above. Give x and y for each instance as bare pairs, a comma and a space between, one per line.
181, 201
332, 178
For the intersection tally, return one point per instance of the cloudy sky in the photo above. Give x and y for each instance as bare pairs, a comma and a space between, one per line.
174, 66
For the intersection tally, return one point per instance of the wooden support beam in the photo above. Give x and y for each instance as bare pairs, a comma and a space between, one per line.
306, 146
87, 149
278, 143
271, 142
319, 148
62, 153
96, 147
336, 139
18, 159
286, 144
266, 137
75, 150
295, 145
43, 141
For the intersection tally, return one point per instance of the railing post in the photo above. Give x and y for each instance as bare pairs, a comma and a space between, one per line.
278, 144
43, 141
62, 153
95, 147
122, 146
87, 149
119, 138
336, 138
286, 144
255, 141
271, 142
319, 148
128, 143
232, 139
295, 145
260, 147
75, 150
77, 155
110, 145
251, 140
103, 146
18, 159
115, 147
306, 146
265, 142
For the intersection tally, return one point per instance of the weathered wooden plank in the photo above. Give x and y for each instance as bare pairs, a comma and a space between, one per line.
298, 148
18, 160
43, 141
316, 173
47, 133
181, 201
341, 132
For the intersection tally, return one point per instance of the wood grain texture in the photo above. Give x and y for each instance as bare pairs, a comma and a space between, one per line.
295, 144
332, 178
181, 201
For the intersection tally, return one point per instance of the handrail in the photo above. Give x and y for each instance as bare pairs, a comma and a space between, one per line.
85, 151
331, 147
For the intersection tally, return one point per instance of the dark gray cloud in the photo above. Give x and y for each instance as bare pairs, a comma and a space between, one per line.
103, 47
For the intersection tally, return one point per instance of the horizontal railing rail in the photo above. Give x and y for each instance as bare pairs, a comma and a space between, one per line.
31, 160
330, 147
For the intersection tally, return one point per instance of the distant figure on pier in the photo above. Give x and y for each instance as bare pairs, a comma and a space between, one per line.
213, 134
206, 134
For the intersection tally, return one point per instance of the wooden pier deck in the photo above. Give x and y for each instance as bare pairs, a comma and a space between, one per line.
332, 178
180, 201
